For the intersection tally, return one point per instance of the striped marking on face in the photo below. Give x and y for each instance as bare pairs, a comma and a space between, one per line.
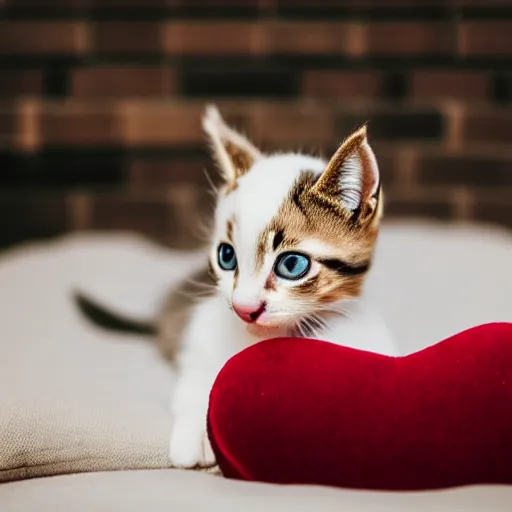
260, 196
229, 231
276, 217
342, 249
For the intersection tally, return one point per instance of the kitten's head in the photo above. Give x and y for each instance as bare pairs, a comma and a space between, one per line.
293, 234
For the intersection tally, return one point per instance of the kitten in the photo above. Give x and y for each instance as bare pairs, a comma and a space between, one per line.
292, 242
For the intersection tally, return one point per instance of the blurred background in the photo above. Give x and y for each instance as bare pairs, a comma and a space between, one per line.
100, 104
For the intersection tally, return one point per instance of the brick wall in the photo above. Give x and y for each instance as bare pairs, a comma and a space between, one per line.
100, 103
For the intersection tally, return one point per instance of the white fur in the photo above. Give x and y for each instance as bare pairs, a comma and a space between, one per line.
352, 174
257, 199
215, 333
218, 132
351, 182
212, 337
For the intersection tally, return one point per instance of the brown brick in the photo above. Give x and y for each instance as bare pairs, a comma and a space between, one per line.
128, 37
26, 135
250, 78
154, 217
192, 207
31, 216
485, 38
43, 37
80, 124
400, 3
409, 38
308, 37
310, 6
495, 210
79, 210
391, 124
122, 81
467, 169
20, 125
158, 174
488, 127
342, 84
291, 127
467, 85
8, 125
161, 123
64, 6
20, 82
388, 162
482, 3
124, 213
427, 205
197, 6
126, 5
230, 38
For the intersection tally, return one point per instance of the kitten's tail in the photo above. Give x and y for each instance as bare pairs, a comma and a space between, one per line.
109, 320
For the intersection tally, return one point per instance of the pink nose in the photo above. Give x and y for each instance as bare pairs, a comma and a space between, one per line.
248, 312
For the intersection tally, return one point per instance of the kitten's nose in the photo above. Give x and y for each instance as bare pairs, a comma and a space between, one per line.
249, 312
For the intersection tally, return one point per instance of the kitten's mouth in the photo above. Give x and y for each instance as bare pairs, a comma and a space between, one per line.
265, 331
303, 328
256, 314
260, 322
267, 327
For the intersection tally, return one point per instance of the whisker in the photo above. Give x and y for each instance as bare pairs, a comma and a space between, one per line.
322, 324
200, 237
339, 310
204, 224
196, 293
213, 188
295, 330
228, 302
302, 329
203, 284
196, 297
342, 314
308, 328
318, 324
204, 289
202, 231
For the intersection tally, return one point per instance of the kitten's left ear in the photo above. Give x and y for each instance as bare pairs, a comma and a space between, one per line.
351, 179
233, 152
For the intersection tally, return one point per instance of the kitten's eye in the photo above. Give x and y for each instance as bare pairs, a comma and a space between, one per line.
226, 257
292, 265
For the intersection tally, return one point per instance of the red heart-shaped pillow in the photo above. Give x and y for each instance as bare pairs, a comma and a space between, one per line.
308, 411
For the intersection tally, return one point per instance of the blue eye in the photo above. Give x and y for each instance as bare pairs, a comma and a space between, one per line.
226, 257
292, 265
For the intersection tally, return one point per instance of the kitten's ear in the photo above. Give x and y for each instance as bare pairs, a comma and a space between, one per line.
351, 179
233, 152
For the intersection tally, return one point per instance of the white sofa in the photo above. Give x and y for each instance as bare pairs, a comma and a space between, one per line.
74, 399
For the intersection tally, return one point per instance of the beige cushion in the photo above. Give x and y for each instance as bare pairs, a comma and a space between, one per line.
74, 399
430, 281
173, 490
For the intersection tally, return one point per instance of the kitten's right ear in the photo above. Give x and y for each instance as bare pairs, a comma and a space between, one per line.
233, 152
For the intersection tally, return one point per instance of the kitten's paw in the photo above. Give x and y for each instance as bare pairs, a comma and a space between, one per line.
208, 455
189, 446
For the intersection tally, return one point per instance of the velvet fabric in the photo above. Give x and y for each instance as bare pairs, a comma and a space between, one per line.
306, 411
